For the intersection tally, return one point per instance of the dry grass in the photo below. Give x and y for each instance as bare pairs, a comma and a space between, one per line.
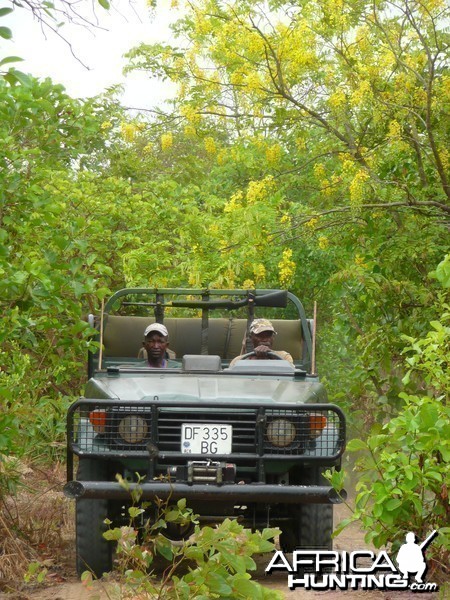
35, 526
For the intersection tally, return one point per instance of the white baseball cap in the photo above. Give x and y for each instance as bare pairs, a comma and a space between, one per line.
162, 329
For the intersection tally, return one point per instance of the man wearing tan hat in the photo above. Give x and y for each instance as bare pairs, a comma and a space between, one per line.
156, 342
262, 334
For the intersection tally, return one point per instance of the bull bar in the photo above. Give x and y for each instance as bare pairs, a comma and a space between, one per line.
318, 494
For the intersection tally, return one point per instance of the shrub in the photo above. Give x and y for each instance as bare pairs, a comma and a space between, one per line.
215, 560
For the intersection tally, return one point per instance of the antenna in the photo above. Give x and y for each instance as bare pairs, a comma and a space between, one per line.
313, 350
100, 356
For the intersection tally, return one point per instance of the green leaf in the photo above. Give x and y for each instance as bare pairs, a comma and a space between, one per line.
5, 11
113, 534
355, 445
104, 3
19, 77
164, 547
5, 33
442, 272
134, 511
393, 503
10, 59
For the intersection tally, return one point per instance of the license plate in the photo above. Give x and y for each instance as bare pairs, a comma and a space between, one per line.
199, 438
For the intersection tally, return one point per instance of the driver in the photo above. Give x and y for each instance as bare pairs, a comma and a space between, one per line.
262, 335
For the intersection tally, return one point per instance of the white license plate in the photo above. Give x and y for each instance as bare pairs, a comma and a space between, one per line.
200, 438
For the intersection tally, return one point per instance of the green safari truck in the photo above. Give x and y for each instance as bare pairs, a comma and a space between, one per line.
248, 441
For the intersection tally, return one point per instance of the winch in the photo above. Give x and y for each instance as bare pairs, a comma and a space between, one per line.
197, 471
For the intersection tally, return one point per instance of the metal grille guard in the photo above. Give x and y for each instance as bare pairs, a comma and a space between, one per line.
162, 420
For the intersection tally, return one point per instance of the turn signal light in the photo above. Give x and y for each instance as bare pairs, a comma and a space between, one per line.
317, 424
97, 418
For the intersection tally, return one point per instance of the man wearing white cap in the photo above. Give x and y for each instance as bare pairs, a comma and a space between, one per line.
156, 342
262, 335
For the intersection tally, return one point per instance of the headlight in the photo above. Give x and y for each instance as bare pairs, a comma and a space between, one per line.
133, 429
281, 433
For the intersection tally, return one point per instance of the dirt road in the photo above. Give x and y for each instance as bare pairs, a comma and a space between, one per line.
351, 539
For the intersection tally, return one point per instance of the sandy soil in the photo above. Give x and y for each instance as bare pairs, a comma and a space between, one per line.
67, 587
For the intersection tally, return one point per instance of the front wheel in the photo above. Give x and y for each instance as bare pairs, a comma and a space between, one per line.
312, 525
94, 553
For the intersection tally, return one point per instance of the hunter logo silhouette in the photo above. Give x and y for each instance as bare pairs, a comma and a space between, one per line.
410, 557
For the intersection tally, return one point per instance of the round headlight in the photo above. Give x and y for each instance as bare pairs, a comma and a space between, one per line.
133, 429
281, 433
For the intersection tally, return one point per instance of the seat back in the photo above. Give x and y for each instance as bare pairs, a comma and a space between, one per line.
123, 336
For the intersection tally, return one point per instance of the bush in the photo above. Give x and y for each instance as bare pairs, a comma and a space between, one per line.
215, 560
404, 466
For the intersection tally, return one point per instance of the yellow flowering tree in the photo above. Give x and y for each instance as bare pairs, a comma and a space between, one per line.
325, 125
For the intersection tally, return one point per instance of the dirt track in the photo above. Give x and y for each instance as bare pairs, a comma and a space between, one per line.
350, 539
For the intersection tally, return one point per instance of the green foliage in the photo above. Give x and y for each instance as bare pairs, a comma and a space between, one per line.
342, 109
428, 358
404, 466
36, 573
45, 273
404, 473
217, 559
306, 152
442, 273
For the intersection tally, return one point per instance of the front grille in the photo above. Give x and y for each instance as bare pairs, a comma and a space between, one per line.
243, 423
121, 429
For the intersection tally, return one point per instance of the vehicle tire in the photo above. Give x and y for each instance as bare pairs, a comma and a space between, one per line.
94, 553
312, 525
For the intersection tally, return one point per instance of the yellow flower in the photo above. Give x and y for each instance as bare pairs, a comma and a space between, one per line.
319, 171
259, 271
166, 141
348, 165
189, 131
312, 222
395, 130
210, 145
257, 190
273, 154
221, 157
234, 203
106, 125
128, 131
338, 99
230, 277
253, 81
445, 157
358, 188
363, 92
248, 284
286, 268
324, 242
190, 114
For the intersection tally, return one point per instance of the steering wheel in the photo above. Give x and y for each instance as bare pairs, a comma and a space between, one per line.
270, 353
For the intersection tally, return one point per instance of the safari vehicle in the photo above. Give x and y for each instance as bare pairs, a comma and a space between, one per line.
248, 442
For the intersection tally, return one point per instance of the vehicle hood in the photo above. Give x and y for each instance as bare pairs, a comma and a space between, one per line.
188, 387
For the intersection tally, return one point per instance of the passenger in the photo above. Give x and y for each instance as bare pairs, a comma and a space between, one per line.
156, 342
262, 334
